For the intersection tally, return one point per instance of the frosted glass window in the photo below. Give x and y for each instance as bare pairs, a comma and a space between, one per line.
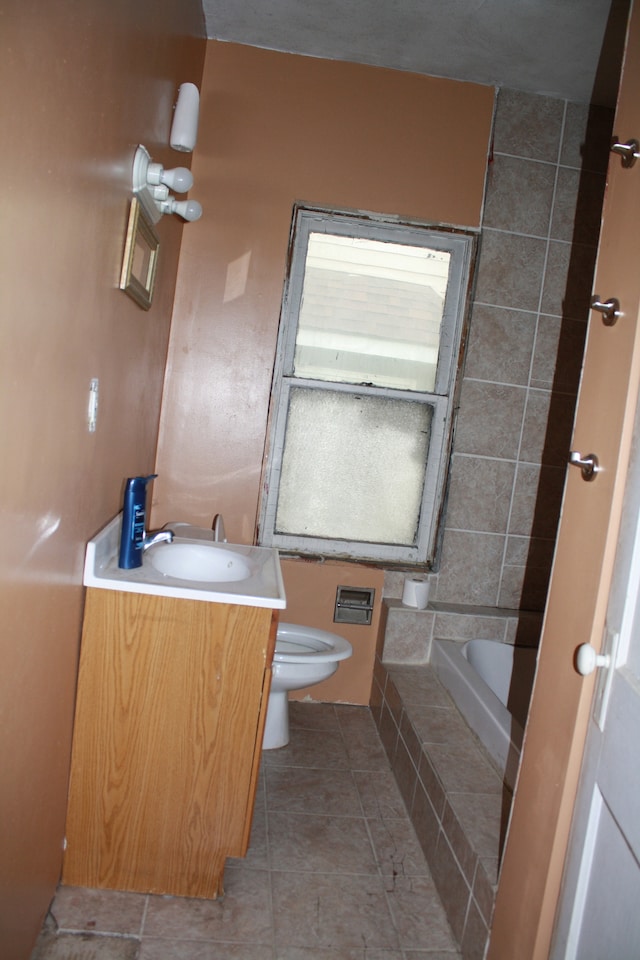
362, 402
353, 467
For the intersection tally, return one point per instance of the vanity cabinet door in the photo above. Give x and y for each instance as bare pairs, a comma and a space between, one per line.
168, 730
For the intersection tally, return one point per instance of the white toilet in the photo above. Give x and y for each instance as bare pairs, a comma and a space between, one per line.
303, 656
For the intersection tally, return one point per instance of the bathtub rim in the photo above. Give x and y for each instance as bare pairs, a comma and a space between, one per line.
496, 728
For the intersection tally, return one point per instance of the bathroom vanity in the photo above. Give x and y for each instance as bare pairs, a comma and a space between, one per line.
172, 698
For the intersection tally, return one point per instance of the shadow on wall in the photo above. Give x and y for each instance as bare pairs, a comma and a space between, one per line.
576, 305
571, 345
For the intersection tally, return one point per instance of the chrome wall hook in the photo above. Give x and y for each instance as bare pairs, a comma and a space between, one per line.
610, 309
628, 152
589, 465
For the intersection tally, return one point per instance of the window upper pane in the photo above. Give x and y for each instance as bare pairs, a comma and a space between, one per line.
371, 312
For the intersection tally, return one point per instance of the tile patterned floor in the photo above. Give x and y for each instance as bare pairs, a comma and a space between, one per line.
334, 870
458, 804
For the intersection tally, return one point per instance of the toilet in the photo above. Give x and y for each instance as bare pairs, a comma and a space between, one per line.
303, 656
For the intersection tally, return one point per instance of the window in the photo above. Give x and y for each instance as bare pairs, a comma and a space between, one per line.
367, 355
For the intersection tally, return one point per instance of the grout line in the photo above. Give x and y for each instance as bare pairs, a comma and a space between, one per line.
548, 163
269, 869
143, 919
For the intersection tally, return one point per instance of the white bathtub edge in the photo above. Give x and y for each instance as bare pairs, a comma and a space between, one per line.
492, 723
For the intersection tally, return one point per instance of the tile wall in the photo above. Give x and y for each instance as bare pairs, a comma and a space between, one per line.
528, 323
408, 633
526, 339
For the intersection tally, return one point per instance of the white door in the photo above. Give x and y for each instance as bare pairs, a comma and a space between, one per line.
599, 913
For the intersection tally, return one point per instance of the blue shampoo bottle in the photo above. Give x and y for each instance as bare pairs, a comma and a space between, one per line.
134, 521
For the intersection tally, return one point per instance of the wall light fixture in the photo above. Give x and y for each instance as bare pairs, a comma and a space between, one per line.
152, 183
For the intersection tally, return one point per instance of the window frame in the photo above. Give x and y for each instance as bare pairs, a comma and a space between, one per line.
461, 244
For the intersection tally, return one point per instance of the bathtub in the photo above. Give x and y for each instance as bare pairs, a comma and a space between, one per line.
490, 683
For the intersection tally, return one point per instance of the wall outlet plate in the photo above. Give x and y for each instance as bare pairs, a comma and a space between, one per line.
92, 406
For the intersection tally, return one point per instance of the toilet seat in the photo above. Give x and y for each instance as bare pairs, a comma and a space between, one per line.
299, 644
303, 657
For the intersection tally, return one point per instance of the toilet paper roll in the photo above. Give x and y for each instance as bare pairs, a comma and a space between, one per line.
415, 593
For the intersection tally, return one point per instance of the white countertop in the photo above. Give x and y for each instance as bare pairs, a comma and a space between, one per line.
264, 588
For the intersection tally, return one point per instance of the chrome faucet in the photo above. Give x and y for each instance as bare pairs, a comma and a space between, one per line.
160, 536
218, 529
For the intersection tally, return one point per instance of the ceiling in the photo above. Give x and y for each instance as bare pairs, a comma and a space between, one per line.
552, 47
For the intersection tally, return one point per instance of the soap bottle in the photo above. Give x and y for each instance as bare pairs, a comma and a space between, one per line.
134, 521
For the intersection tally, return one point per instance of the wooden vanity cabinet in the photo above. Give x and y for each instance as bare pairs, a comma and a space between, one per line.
171, 704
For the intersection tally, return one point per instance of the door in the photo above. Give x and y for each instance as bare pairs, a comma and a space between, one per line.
581, 579
598, 915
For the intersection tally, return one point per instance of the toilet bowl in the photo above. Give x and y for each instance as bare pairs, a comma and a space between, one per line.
303, 656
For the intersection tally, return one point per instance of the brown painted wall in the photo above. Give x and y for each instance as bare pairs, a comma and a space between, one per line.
311, 597
280, 128
81, 83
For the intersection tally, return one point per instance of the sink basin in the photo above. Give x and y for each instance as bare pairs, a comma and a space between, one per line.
205, 563
192, 567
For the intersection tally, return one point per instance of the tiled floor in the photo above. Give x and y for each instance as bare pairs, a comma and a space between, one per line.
334, 871
458, 803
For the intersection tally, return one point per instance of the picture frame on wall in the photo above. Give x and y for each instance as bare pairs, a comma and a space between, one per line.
140, 260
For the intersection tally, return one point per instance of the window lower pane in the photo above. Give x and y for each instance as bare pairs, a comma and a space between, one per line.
353, 467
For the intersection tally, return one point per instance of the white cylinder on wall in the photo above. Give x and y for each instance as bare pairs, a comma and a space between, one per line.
184, 129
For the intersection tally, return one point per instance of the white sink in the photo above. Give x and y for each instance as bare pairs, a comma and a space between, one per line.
204, 562
192, 567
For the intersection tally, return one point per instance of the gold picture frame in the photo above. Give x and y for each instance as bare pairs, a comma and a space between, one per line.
140, 259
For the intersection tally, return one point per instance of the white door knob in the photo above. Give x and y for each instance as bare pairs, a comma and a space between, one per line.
587, 659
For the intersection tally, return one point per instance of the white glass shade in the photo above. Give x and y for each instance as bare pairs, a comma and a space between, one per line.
184, 130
